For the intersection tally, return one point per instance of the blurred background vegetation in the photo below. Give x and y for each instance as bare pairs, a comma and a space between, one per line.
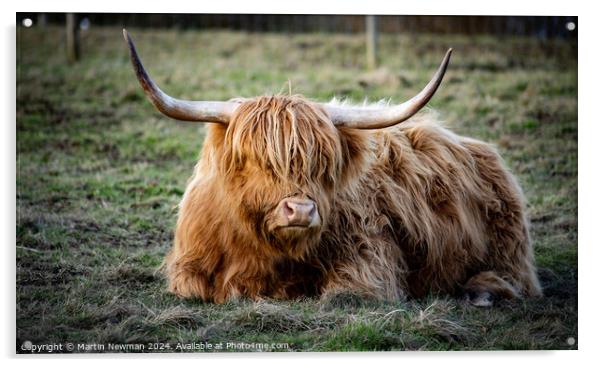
100, 172
538, 26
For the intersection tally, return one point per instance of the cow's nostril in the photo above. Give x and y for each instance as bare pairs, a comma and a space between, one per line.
289, 210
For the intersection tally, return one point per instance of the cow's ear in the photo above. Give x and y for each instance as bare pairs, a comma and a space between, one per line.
215, 141
354, 144
216, 135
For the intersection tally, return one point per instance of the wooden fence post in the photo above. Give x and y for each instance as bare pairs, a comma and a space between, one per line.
42, 20
73, 46
371, 42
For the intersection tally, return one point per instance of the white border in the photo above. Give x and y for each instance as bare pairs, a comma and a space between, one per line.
589, 167
438, 7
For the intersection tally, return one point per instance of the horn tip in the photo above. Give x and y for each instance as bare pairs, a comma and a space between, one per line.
126, 36
447, 56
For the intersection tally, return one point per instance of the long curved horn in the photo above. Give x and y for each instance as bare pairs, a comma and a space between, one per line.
205, 111
361, 118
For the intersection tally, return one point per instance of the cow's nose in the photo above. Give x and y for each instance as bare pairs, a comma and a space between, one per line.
299, 212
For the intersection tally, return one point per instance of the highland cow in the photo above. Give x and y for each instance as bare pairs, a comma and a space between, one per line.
293, 198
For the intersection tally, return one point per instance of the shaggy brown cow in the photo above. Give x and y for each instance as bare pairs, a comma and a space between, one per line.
295, 198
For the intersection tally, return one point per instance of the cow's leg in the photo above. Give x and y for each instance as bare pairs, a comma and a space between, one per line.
185, 280
189, 285
510, 254
513, 273
485, 287
510, 259
377, 271
345, 289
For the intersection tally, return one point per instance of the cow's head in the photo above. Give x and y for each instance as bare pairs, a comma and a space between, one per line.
282, 159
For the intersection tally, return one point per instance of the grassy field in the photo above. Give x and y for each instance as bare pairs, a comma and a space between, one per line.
99, 174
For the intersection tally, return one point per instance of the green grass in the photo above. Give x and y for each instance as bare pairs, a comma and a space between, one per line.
99, 175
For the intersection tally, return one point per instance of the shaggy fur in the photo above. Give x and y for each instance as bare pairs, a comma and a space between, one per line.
405, 211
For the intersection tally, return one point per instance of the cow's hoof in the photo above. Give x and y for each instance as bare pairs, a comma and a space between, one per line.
480, 299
